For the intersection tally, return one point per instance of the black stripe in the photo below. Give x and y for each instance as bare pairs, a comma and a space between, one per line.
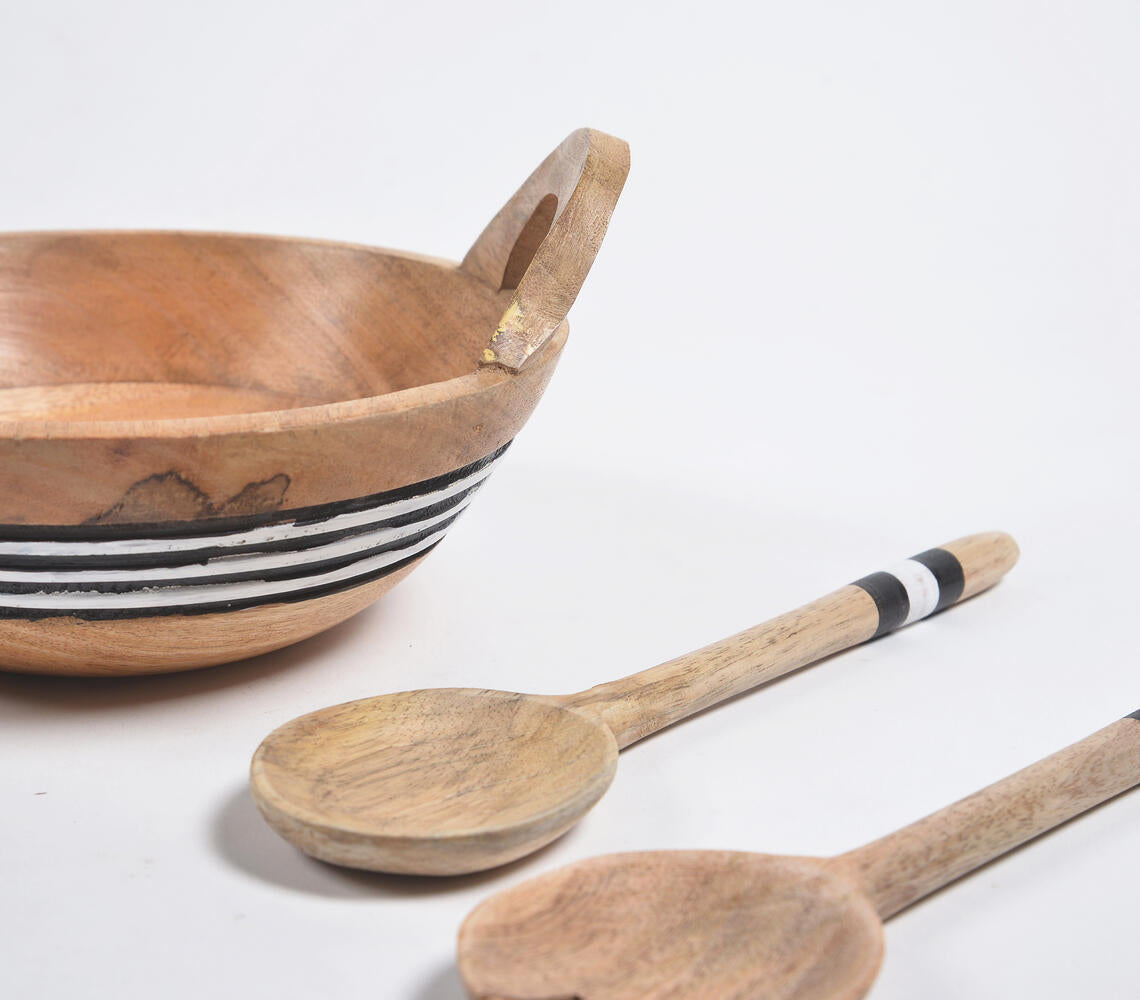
117, 614
947, 571
203, 555
1135, 715
266, 574
237, 525
890, 598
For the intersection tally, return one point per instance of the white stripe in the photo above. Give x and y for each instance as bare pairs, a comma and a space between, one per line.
166, 597
921, 588
256, 536
224, 565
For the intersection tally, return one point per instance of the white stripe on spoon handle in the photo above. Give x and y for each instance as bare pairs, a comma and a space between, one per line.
645, 702
903, 867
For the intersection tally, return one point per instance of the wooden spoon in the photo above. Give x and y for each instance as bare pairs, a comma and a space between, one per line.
722, 924
455, 780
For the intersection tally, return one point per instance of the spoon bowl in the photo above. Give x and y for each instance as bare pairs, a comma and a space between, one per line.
670, 924
434, 782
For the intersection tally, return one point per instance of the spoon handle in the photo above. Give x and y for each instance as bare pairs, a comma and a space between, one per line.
903, 867
645, 702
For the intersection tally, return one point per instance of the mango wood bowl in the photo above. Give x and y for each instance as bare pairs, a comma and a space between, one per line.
212, 446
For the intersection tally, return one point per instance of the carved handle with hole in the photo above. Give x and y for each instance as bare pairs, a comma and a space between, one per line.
544, 240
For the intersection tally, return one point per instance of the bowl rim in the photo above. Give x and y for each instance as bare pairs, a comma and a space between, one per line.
271, 421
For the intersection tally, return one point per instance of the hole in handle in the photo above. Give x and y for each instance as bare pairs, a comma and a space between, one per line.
528, 242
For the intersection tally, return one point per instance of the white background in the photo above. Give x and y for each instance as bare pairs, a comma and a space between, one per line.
872, 285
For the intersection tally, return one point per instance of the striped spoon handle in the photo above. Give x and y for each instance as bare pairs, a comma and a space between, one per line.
645, 702
913, 862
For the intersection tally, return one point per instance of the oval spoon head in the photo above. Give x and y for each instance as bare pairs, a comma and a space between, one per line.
673, 924
439, 782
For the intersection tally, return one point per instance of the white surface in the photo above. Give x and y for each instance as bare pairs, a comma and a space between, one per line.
872, 285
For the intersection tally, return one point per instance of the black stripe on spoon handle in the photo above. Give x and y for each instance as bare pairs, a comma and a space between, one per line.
645, 702
920, 586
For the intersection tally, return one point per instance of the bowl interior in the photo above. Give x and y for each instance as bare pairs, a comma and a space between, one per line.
113, 326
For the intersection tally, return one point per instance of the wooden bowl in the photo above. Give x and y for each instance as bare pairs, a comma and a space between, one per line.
212, 446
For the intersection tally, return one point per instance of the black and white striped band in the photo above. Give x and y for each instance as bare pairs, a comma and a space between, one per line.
916, 587
102, 572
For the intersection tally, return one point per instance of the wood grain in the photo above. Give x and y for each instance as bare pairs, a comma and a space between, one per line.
642, 703
271, 332
489, 774
674, 925
725, 925
907, 865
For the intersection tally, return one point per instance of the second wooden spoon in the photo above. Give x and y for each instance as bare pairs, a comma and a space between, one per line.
729, 925
455, 780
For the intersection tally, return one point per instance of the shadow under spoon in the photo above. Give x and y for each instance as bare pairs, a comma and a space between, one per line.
725, 925
455, 780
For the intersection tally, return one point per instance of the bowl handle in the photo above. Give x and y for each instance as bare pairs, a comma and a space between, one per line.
544, 240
